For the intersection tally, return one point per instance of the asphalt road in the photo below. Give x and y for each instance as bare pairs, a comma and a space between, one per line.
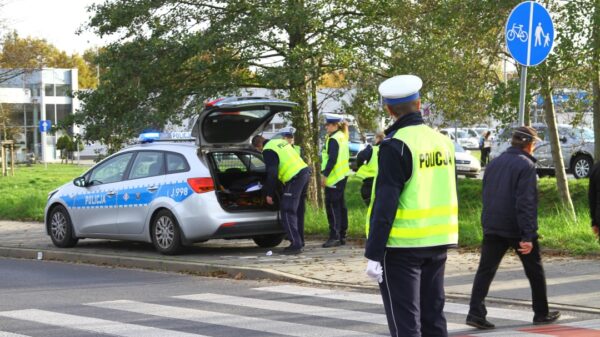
41, 298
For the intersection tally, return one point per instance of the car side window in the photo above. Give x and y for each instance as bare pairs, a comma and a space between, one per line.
110, 171
176, 163
147, 164
229, 162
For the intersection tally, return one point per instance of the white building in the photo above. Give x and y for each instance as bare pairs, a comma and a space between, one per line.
44, 94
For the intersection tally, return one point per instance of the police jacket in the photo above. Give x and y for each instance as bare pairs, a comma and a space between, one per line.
395, 168
594, 194
272, 167
510, 196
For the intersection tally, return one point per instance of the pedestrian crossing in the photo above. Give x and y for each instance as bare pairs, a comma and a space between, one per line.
282, 310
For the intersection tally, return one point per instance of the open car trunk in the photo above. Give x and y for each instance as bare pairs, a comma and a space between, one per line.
239, 177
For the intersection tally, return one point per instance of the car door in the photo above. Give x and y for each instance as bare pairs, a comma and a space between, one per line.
543, 151
145, 179
95, 208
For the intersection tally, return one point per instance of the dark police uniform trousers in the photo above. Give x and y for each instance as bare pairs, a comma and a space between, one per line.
337, 213
293, 205
414, 277
493, 249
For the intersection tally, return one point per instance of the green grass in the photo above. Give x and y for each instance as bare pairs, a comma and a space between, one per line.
556, 231
24, 198
24, 195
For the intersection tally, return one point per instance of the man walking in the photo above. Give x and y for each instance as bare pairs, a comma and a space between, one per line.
509, 219
285, 164
414, 215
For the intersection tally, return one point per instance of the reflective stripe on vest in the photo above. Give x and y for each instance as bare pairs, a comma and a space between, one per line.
290, 162
342, 164
369, 170
427, 212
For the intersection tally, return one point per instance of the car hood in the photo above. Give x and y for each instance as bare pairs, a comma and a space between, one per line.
234, 121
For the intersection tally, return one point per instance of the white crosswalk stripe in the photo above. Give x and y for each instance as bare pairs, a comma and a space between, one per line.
455, 308
92, 324
302, 309
217, 318
10, 334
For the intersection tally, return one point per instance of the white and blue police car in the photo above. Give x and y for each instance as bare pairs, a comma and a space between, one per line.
175, 193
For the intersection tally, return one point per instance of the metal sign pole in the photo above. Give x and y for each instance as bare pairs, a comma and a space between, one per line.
522, 95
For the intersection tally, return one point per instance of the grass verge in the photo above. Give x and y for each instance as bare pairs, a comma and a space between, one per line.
24, 198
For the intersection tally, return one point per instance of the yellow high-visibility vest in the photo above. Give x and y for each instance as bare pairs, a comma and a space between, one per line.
427, 214
290, 162
342, 164
369, 170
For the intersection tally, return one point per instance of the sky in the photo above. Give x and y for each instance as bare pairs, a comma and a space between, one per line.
56, 21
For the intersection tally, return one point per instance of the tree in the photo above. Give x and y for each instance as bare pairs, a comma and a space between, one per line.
172, 55
22, 55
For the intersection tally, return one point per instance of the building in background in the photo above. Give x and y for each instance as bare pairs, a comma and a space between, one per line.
31, 96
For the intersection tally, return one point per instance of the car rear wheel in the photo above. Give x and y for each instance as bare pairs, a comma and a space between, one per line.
268, 241
582, 165
166, 235
61, 228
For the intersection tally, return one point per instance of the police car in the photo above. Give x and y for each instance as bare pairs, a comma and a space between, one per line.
174, 193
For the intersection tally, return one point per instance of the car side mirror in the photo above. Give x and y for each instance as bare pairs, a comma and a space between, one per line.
80, 182
563, 139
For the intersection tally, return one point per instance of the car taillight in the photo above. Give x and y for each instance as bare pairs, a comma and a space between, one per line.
201, 185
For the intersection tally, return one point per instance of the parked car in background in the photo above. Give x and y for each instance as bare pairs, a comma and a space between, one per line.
577, 145
466, 163
463, 137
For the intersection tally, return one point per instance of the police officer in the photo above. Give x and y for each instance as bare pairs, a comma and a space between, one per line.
414, 215
288, 134
334, 170
367, 168
285, 164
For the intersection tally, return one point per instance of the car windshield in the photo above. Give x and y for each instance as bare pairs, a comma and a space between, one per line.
462, 134
458, 148
584, 133
354, 134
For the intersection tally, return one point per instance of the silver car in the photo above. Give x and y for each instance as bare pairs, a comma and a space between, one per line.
577, 145
176, 193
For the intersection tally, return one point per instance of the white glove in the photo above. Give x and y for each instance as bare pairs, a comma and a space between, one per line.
374, 271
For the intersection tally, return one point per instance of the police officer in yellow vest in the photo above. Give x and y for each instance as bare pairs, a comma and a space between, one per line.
413, 217
367, 168
335, 167
284, 163
288, 134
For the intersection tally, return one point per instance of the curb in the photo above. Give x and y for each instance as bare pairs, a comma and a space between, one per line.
233, 272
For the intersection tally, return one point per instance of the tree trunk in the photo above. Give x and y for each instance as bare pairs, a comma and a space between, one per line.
561, 176
596, 78
314, 130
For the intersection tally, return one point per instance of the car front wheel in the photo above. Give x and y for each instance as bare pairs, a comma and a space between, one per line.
166, 235
582, 165
61, 228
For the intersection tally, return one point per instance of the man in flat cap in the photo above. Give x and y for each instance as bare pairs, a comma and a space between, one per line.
413, 216
509, 219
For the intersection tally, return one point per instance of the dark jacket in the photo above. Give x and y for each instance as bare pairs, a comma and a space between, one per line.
594, 194
510, 197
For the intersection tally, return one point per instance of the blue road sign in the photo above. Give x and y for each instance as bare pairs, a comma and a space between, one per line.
529, 33
45, 125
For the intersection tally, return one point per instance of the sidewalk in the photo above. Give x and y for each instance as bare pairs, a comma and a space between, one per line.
572, 283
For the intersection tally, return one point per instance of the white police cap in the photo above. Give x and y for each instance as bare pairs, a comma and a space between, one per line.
400, 89
333, 118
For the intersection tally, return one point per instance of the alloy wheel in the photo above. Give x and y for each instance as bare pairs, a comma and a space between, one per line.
58, 226
164, 232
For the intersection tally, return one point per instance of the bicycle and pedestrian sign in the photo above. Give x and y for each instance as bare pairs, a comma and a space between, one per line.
529, 33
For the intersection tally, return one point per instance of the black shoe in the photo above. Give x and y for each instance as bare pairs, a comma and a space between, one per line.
291, 250
331, 243
343, 242
479, 323
549, 318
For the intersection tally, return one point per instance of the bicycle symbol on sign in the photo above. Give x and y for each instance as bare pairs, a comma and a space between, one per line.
518, 32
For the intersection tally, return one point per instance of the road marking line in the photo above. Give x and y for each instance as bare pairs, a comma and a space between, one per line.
230, 320
455, 308
524, 283
92, 324
10, 334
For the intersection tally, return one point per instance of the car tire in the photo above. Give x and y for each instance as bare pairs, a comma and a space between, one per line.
61, 228
165, 233
582, 166
268, 241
